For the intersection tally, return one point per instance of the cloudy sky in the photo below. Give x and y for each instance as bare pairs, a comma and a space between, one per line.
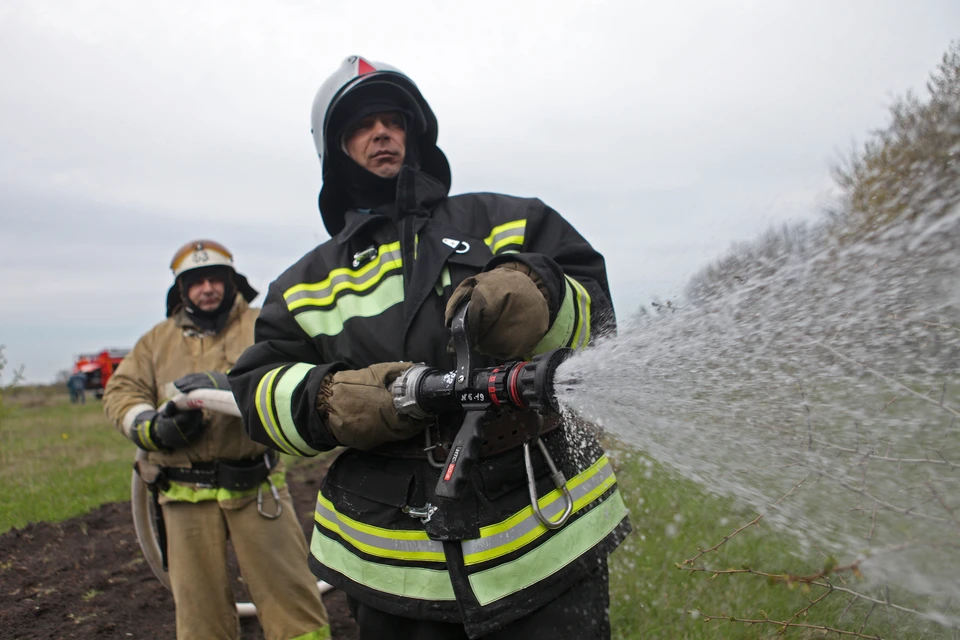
663, 131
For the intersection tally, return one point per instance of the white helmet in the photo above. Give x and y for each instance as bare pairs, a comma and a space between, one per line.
203, 254
355, 83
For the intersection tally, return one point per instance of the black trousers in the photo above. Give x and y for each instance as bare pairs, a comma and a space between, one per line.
580, 613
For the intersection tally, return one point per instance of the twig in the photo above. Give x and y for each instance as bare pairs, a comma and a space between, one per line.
779, 623
887, 378
702, 552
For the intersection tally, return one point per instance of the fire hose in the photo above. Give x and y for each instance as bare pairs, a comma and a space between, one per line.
482, 394
141, 500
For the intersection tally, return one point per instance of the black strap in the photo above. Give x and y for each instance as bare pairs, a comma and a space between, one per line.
233, 475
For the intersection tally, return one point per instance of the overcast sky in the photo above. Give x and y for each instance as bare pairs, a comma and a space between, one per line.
663, 131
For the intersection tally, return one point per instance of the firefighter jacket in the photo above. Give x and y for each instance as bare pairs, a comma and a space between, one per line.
143, 381
376, 292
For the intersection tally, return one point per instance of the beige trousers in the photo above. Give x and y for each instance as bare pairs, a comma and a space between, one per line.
272, 555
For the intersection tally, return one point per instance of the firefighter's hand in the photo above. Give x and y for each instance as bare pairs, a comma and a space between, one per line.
508, 313
167, 430
358, 406
202, 380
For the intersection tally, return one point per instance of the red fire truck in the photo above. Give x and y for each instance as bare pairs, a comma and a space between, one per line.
98, 367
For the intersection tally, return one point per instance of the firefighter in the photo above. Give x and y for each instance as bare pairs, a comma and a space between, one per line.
342, 323
211, 482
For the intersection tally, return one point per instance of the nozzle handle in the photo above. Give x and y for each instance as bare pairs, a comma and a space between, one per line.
464, 453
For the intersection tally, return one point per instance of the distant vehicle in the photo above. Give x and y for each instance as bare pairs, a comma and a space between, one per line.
98, 367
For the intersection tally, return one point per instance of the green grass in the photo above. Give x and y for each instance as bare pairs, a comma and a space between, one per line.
672, 518
59, 460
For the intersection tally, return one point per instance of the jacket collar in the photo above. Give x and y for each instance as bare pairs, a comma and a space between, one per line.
417, 194
182, 319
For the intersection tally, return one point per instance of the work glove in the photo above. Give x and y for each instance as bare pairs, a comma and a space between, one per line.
168, 429
358, 406
508, 313
202, 380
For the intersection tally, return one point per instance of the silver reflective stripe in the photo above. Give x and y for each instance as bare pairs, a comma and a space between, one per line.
517, 532
385, 543
509, 234
264, 404
283, 400
324, 296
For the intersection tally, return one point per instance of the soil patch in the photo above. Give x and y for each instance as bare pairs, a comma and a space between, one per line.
86, 577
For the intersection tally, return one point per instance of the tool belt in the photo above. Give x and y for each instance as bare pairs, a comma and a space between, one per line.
511, 429
233, 475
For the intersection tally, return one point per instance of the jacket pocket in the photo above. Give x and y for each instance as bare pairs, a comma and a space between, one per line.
373, 489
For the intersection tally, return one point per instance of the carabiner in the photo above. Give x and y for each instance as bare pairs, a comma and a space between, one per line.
558, 481
430, 446
276, 498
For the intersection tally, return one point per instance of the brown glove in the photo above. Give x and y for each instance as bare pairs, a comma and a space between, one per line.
508, 310
358, 407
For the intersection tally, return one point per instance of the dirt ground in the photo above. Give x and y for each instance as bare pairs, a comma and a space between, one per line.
86, 578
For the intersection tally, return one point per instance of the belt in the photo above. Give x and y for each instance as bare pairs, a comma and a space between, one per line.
509, 430
233, 475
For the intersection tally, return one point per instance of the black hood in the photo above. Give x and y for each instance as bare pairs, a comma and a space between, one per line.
335, 198
175, 303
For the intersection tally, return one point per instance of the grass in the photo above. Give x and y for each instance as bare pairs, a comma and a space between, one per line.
59, 460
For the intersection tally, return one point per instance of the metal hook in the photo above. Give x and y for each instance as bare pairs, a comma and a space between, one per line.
429, 448
273, 491
558, 481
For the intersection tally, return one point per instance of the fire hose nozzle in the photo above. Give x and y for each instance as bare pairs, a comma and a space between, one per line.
423, 391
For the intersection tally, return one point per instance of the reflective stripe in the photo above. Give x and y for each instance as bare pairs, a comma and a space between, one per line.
376, 541
323, 633
130, 417
562, 328
523, 527
324, 294
444, 280
581, 335
567, 545
285, 434
507, 234
407, 582
330, 322
189, 493
283, 400
264, 403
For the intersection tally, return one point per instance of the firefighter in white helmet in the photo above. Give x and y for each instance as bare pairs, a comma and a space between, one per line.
210, 481
345, 320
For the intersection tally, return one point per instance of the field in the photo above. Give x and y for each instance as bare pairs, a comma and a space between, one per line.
61, 461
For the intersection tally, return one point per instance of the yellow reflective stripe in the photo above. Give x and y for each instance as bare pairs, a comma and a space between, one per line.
562, 328
190, 493
564, 547
444, 280
523, 527
324, 293
323, 633
408, 582
330, 322
376, 541
264, 403
581, 334
511, 233
283, 400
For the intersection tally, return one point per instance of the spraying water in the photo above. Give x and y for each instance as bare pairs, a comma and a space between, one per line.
824, 369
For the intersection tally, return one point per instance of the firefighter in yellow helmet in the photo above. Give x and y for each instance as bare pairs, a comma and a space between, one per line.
205, 472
